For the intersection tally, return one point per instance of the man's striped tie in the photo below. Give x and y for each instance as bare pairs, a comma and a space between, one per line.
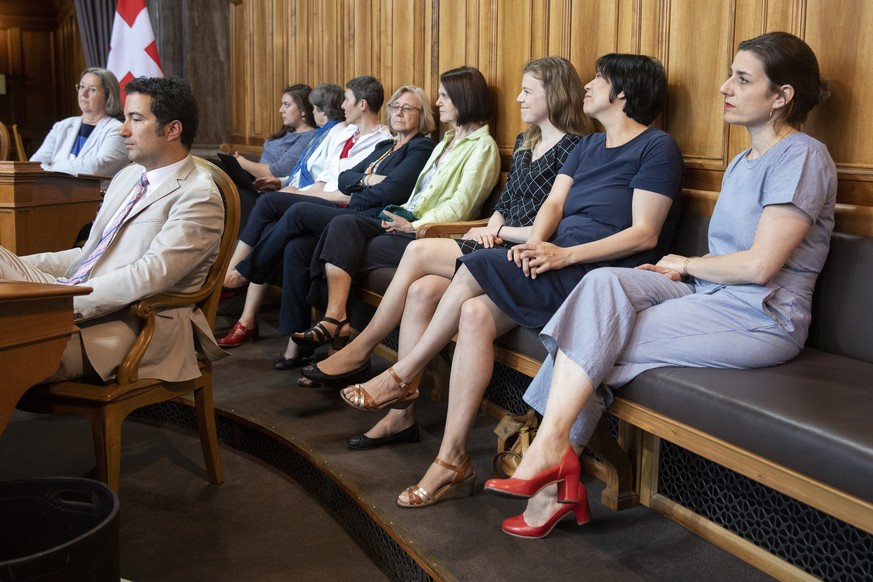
84, 270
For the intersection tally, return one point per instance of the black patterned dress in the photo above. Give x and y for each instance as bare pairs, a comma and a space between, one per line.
528, 185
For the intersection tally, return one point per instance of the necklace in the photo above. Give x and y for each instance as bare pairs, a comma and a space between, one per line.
790, 131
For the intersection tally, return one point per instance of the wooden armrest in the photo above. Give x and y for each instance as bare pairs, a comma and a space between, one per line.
128, 370
447, 229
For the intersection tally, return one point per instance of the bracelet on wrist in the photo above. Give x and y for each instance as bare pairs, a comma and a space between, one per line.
498, 231
685, 266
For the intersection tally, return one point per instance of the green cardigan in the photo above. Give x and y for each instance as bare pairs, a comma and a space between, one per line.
462, 182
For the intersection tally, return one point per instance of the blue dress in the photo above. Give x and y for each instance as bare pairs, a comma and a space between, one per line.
598, 205
619, 323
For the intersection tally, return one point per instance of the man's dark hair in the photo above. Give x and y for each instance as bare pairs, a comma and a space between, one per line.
171, 100
368, 88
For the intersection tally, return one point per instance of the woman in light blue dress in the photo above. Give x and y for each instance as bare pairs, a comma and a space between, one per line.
746, 303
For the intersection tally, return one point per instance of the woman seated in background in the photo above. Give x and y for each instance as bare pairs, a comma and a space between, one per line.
461, 172
283, 149
612, 204
89, 143
326, 101
363, 98
551, 105
746, 303
385, 177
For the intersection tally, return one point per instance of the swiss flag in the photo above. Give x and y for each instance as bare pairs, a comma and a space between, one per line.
133, 52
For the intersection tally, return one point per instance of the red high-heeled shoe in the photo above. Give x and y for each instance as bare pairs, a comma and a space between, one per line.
516, 526
565, 474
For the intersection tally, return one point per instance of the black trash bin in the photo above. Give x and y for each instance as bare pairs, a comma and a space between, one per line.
58, 529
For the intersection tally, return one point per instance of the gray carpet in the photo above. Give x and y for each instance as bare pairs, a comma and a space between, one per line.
259, 525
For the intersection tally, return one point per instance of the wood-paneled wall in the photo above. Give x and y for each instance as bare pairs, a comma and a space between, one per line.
41, 56
277, 42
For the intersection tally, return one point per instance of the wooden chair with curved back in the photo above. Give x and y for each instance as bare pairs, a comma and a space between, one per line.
4, 142
106, 405
19, 143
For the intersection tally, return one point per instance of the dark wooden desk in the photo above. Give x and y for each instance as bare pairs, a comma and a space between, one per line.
43, 211
36, 321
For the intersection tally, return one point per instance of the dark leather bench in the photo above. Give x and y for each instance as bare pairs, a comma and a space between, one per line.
803, 428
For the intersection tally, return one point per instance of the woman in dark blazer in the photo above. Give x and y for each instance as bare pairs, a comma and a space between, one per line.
383, 178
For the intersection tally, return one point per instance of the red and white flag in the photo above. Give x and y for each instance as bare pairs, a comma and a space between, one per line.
133, 52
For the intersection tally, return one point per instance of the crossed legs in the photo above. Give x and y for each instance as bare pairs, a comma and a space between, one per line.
422, 276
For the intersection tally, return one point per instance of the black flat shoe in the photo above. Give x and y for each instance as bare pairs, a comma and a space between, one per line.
363, 443
283, 363
359, 374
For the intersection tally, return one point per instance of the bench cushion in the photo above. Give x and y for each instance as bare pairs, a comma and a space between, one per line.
812, 414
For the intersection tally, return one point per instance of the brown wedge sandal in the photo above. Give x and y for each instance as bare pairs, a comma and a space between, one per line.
360, 399
460, 486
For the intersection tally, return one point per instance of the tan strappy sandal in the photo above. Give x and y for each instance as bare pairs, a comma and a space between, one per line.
360, 399
460, 486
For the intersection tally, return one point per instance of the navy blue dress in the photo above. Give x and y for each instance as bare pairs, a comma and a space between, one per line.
598, 205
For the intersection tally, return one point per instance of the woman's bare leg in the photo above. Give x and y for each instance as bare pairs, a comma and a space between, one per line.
339, 284
421, 258
242, 250
472, 365
254, 298
421, 301
441, 329
570, 389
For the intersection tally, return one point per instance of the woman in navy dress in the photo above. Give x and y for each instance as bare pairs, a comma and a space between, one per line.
611, 204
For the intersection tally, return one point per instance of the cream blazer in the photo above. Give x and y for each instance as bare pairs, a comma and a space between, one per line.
167, 244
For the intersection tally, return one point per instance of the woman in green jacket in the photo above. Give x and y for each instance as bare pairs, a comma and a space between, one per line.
455, 181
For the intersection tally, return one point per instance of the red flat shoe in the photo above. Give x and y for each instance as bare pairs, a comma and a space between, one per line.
238, 335
565, 474
516, 526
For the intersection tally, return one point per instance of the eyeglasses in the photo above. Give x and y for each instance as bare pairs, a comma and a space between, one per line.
405, 108
79, 86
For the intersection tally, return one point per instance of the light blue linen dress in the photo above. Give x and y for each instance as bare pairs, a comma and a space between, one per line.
618, 323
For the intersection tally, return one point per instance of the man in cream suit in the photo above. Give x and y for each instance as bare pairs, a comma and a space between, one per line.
158, 230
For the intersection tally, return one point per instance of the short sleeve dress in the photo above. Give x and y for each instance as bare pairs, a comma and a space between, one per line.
655, 322
527, 186
598, 205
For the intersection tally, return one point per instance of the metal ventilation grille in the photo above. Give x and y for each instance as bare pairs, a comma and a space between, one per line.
801, 535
